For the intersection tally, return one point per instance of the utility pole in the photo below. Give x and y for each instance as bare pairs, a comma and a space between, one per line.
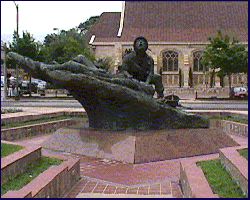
17, 97
5, 71
58, 33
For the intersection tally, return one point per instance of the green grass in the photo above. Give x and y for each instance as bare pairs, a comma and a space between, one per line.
230, 118
220, 180
244, 153
7, 149
10, 110
36, 121
32, 171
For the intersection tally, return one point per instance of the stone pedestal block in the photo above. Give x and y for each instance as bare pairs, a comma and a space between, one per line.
139, 147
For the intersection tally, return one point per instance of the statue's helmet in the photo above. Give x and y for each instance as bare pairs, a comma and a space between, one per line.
140, 44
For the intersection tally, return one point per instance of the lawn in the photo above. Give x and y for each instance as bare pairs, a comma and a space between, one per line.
220, 180
37, 121
244, 153
32, 171
230, 118
7, 149
10, 110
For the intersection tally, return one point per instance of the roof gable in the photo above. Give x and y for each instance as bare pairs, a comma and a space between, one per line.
184, 21
174, 21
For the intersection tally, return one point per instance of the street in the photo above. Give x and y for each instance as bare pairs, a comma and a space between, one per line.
70, 103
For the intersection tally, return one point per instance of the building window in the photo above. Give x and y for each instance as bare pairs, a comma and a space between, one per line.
197, 66
170, 61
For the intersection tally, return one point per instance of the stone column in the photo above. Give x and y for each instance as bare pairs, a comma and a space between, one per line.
155, 63
217, 81
118, 56
186, 71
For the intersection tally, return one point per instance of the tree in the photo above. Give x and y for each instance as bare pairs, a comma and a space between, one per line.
226, 55
65, 46
85, 26
105, 63
25, 45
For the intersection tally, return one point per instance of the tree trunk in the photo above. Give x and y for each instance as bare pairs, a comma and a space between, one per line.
212, 79
230, 83
30, 91
222, 81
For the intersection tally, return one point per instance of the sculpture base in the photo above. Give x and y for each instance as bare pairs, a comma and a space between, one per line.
139, 147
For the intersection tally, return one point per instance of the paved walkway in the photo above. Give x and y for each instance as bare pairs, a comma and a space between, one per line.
106, 178
41, 110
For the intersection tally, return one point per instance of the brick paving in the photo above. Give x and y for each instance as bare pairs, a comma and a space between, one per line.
105, 178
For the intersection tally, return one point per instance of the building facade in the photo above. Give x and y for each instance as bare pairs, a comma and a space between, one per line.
177, 33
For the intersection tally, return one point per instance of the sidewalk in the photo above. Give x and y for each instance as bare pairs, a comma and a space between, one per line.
71, 99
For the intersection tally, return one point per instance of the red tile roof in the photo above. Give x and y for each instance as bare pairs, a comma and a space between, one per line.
106, 28
176, 21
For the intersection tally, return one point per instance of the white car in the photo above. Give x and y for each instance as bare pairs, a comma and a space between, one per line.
2, 81
239, 92
41, 88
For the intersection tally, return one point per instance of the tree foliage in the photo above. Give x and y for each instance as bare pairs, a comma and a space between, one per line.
106, 63
25, 45
65, 46
85, 26
226, 55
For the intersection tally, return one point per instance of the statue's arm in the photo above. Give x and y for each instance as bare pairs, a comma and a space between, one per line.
151, 72
125, 67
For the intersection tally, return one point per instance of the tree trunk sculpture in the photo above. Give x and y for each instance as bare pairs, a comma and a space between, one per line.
111, 101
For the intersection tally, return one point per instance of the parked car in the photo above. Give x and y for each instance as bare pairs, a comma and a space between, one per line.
239, 92
2, 81
41, 88
24, 87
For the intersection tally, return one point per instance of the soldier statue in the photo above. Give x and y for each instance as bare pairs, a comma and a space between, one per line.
139, 65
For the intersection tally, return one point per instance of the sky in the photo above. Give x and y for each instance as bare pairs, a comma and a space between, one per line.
41, 17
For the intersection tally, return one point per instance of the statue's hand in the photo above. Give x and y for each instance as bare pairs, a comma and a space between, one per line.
127, 75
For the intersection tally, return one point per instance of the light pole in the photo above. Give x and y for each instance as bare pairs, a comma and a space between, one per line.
17, 97
58, 31
5, 71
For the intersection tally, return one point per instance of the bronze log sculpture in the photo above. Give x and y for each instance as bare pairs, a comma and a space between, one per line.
112, 102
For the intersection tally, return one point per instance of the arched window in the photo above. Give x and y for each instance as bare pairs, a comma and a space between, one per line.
197, 66
170, 61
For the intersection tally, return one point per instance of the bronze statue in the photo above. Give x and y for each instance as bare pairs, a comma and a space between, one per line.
112, 102
139, 65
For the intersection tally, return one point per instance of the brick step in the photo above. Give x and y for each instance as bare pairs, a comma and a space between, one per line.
88, 187
236, 165
52, 183
16, 133
194, 183
17, 163
24, 117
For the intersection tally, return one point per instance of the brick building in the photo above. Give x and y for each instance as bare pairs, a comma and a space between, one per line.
177, 33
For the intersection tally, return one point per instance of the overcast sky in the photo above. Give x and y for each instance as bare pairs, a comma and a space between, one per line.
40, 17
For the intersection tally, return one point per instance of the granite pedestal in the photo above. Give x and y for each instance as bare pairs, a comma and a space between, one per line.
139, 147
